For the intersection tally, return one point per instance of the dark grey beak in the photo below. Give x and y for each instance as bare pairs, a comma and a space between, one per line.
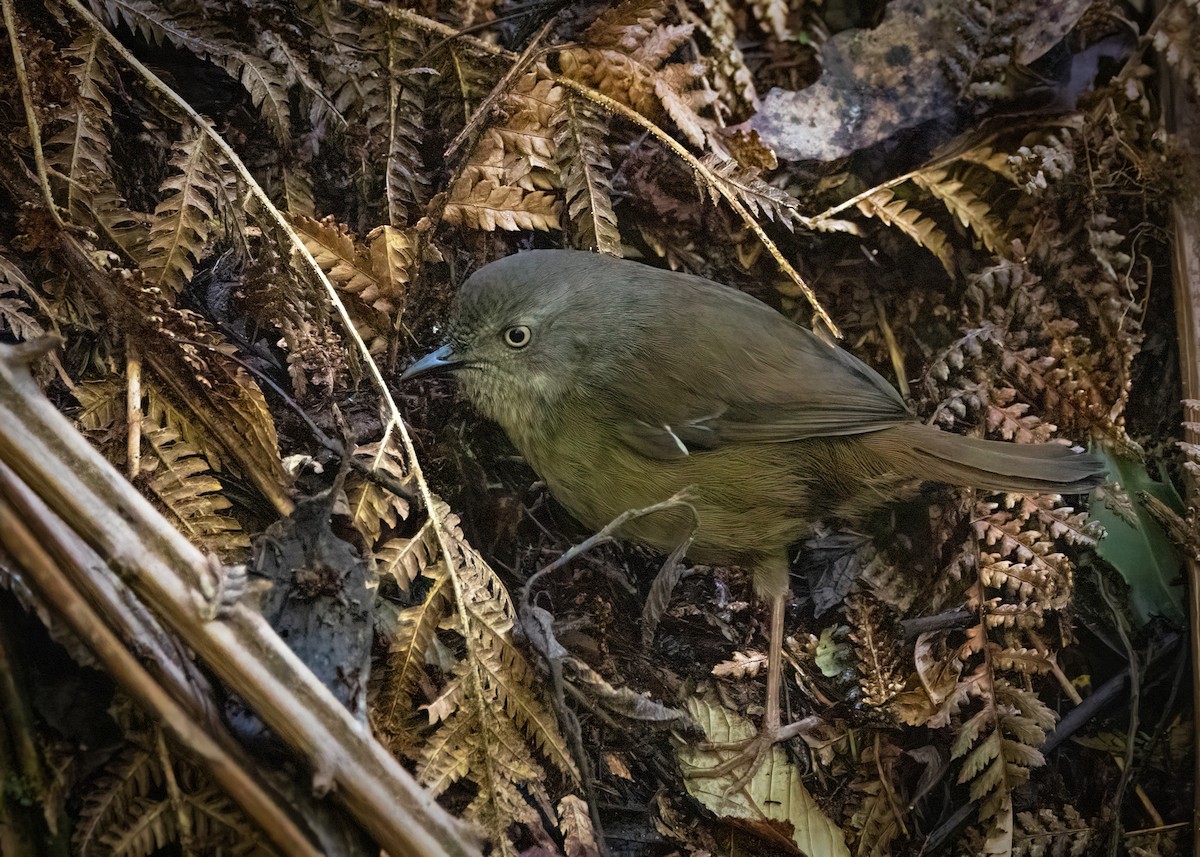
438, 362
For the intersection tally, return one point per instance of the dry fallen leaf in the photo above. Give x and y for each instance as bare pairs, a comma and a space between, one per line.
774, 805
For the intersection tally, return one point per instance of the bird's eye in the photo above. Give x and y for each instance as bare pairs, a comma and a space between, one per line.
517, 336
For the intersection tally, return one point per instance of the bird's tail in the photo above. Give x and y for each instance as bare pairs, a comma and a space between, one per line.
930, 454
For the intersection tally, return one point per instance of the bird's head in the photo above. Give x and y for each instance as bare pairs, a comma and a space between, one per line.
529, 330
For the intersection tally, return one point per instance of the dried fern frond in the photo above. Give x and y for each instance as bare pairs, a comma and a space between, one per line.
265, 83
1049, 832
1174, 36
16, 312
138, 806
935, 692
81, 152
505, 180
407, 559
624, 54
378, 86
895, 211
875, 821
377, 273
489, 207
584, 168
221, 397
373, 507
998, 747
486, 717
745, 185
730, 76
1022, 560
176, 474
182, 225
980, 61
876, 649
961, 195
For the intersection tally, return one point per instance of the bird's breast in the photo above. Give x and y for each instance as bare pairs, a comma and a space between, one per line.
741, 501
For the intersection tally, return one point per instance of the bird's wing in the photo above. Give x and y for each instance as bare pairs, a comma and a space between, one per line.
763, 379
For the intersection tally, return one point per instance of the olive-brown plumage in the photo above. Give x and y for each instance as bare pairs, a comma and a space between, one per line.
622, 384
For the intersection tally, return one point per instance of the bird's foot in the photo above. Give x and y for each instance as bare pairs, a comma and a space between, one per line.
748, 754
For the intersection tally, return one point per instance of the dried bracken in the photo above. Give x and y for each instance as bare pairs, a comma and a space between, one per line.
255, 213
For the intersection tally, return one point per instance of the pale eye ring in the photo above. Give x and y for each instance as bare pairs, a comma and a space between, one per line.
517, 336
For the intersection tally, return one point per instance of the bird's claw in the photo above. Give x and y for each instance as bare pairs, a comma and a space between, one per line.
749, 754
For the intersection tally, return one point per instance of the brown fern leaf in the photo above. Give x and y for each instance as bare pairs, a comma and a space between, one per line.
875, 821
1063, 832
487, 717
489, 207
575, 824
893, 211
158, 24
266, 86
980, 60
875, 649
1026, 565
81, 152
731, 77
406, 179
535, 101
160, 410
478, 742
934, 693
745, 184
176, 474
127, 229
129, 809
111, 798
407, 559
367, 66
16, 314
998, 747
584, 170
1174, 37
963, 201
373, 507
624, 54
395, 257
301, 312
393, 712
297, 191
772, 16
296, 73
225, 399
182, 220
376, 274
520, 150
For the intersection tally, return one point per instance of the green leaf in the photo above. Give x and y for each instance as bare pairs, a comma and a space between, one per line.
1135, 544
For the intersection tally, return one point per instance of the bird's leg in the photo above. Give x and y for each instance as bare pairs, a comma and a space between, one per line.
771, 719
752, 752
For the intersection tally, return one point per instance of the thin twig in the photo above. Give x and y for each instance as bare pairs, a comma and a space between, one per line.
1183, 121
608, 534
133, 408
31, 122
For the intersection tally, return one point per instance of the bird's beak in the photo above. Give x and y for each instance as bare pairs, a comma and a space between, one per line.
438, 362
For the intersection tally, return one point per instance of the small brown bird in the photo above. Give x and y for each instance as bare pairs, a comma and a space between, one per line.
623, 384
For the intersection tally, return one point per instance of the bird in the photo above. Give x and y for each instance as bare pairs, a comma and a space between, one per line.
624, 385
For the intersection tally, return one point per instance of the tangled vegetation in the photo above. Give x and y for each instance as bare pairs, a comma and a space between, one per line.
241, 221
